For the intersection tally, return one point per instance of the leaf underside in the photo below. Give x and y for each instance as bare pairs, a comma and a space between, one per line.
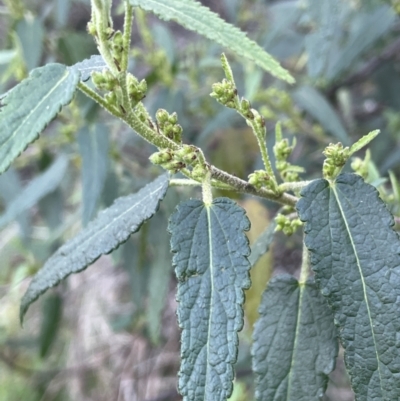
355, 257
295, 342
30, 106
210, 259
195, 17
109, 229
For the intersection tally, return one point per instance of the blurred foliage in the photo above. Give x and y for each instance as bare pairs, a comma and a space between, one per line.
123, 343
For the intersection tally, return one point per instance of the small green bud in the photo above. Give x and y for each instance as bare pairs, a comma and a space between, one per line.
187, 154
173, 118
174, 166
91, 28
259, 178
162, 117
161, 158
199, 172
117, 41
224, 92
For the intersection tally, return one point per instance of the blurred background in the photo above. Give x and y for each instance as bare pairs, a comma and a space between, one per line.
110, 332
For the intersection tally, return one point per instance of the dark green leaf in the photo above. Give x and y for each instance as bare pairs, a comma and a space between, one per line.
30, 106
93, 145
51, 318
212, 269
111, 227
30, 33
355, 257
315, 104
295, 342
192, 15
35, 190
85, 67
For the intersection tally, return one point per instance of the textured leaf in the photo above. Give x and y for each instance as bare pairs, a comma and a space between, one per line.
35, 190
30, 106
212, 270
295, 342
192, 15
85, 67
315, 103
30, 33
112, 227
51, 319
93, 145
355, 257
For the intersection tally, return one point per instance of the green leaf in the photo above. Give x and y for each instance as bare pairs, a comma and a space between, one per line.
212, 269
364, 141
30, 33
319, 108
51, 319
111, 227
30, 106
355, 257
35, 190
85, 67
195, 17
295, 342
93, 145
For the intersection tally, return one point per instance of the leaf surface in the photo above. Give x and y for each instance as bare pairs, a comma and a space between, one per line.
355, 257
195, 17
210, 260
85, 67
93, 146
294, 342
30, 106
111, 227
38, 188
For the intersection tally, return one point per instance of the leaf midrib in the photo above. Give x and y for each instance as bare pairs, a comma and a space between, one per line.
298, 320
365, 296
61, 80
210, 247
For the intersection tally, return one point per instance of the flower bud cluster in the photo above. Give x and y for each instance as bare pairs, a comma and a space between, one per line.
360, 166
136, 90
259, 179
288, 171
336, 158
168, 123
175, 160
286, 225
225, 93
